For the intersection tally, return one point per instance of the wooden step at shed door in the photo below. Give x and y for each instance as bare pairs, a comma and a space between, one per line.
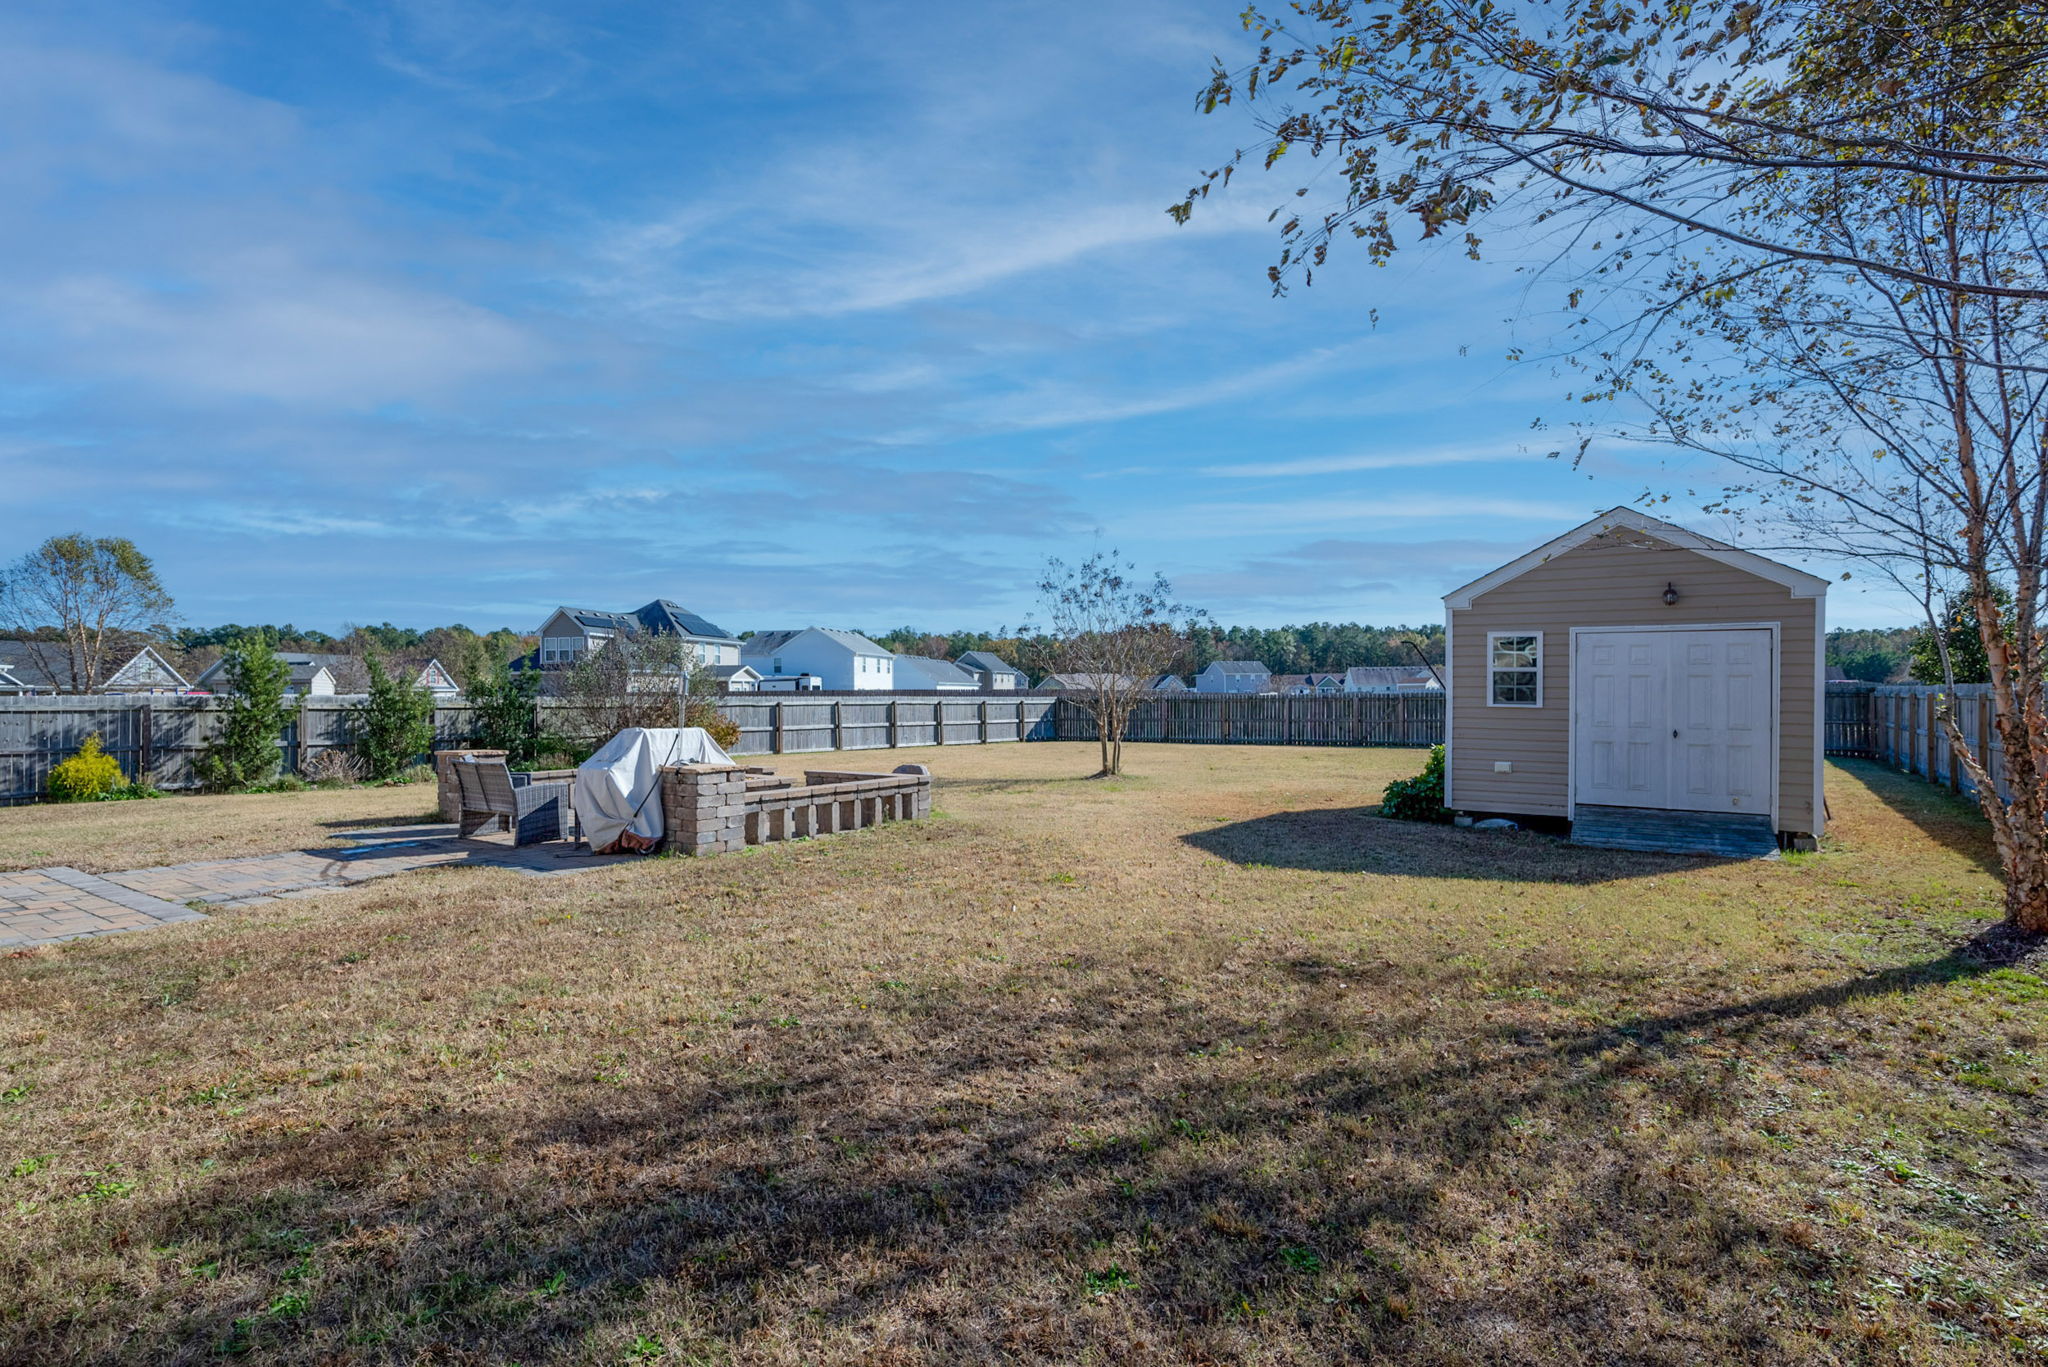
1732, 835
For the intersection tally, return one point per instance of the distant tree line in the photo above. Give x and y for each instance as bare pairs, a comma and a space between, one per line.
1318, 647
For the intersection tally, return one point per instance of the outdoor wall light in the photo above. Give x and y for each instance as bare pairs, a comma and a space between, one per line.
1671, 595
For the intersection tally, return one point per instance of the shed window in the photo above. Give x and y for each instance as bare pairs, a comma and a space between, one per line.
1514, 668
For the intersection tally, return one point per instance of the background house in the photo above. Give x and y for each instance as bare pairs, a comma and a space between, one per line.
993, 673
921, 671
1234, 676
33, 668
572, 633
1307, 685
1081, 683
1168, 683
735, 678
1390, 679
317, 675
836, 659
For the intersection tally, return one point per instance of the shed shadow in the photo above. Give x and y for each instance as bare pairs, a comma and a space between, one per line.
1359, 840
1951, 820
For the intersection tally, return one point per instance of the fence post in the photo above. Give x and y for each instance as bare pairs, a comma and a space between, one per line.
145, 756
775, 725
984, 721
838, 729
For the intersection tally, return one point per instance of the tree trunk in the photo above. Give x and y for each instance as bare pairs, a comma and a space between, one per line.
2026, 886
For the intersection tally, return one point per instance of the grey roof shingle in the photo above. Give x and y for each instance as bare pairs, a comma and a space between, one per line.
926, 672
988, 661
768, 642
658, 618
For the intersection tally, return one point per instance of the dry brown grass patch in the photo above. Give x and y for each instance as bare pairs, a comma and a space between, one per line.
1209, 1065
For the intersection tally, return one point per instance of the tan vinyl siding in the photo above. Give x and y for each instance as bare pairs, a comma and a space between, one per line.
1613, 580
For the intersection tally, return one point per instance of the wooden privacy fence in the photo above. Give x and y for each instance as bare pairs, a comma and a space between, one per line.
1900, 725
1274, 719
793, 725
161, 738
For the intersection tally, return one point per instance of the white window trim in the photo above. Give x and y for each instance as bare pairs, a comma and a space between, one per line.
1493, 636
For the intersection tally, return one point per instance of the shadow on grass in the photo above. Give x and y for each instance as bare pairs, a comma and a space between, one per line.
1358, 840
1952, 820
855, 1201
429, 817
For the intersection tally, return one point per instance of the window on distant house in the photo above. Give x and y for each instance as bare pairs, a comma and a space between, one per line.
1514, 668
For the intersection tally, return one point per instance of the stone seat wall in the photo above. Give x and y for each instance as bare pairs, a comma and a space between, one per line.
711, 808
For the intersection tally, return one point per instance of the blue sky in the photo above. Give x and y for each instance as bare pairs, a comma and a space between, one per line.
452, 310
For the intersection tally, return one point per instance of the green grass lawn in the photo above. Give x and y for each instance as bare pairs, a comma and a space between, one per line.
1206, 1064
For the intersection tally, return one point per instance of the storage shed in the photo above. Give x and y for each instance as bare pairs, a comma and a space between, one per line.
1644, 682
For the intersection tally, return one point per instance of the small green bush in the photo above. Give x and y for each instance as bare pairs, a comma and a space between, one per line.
87, 776
418, 773
283, 783
243, 753
133, 792
1420, 798
394, 724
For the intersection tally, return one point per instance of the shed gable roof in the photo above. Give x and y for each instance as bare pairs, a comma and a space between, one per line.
1798, 582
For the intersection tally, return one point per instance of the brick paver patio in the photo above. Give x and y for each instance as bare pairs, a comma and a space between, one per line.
39, 906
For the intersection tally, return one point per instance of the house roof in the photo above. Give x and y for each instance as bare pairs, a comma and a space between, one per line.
933, 673
1082, 680
36, 664
1801, 584
768, 642
727, 673
1237, 667
658, 618
989, 662
349, 673
22, 660
1159, 681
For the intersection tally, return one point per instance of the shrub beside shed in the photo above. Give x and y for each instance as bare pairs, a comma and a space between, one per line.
1635, 670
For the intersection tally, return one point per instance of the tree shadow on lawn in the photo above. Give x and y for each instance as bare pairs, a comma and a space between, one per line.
828, 1195
1949, 819
1358, 840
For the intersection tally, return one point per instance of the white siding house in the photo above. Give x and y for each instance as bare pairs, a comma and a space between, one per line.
1234, 676
836, 659
993, 672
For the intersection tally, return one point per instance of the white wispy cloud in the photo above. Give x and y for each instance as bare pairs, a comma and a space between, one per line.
1376, 460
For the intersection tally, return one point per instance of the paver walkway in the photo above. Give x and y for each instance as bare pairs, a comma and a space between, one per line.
40, 906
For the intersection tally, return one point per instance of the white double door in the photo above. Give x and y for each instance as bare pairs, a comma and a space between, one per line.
1677, 718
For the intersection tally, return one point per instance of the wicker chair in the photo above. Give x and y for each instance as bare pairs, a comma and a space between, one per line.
532, 813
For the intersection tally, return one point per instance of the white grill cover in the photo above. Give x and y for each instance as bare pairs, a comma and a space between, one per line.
624, 778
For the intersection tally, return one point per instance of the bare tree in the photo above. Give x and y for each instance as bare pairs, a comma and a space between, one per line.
644, 680
1639, 125
1903, 429
1805, 237
1110, 633
100, 594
